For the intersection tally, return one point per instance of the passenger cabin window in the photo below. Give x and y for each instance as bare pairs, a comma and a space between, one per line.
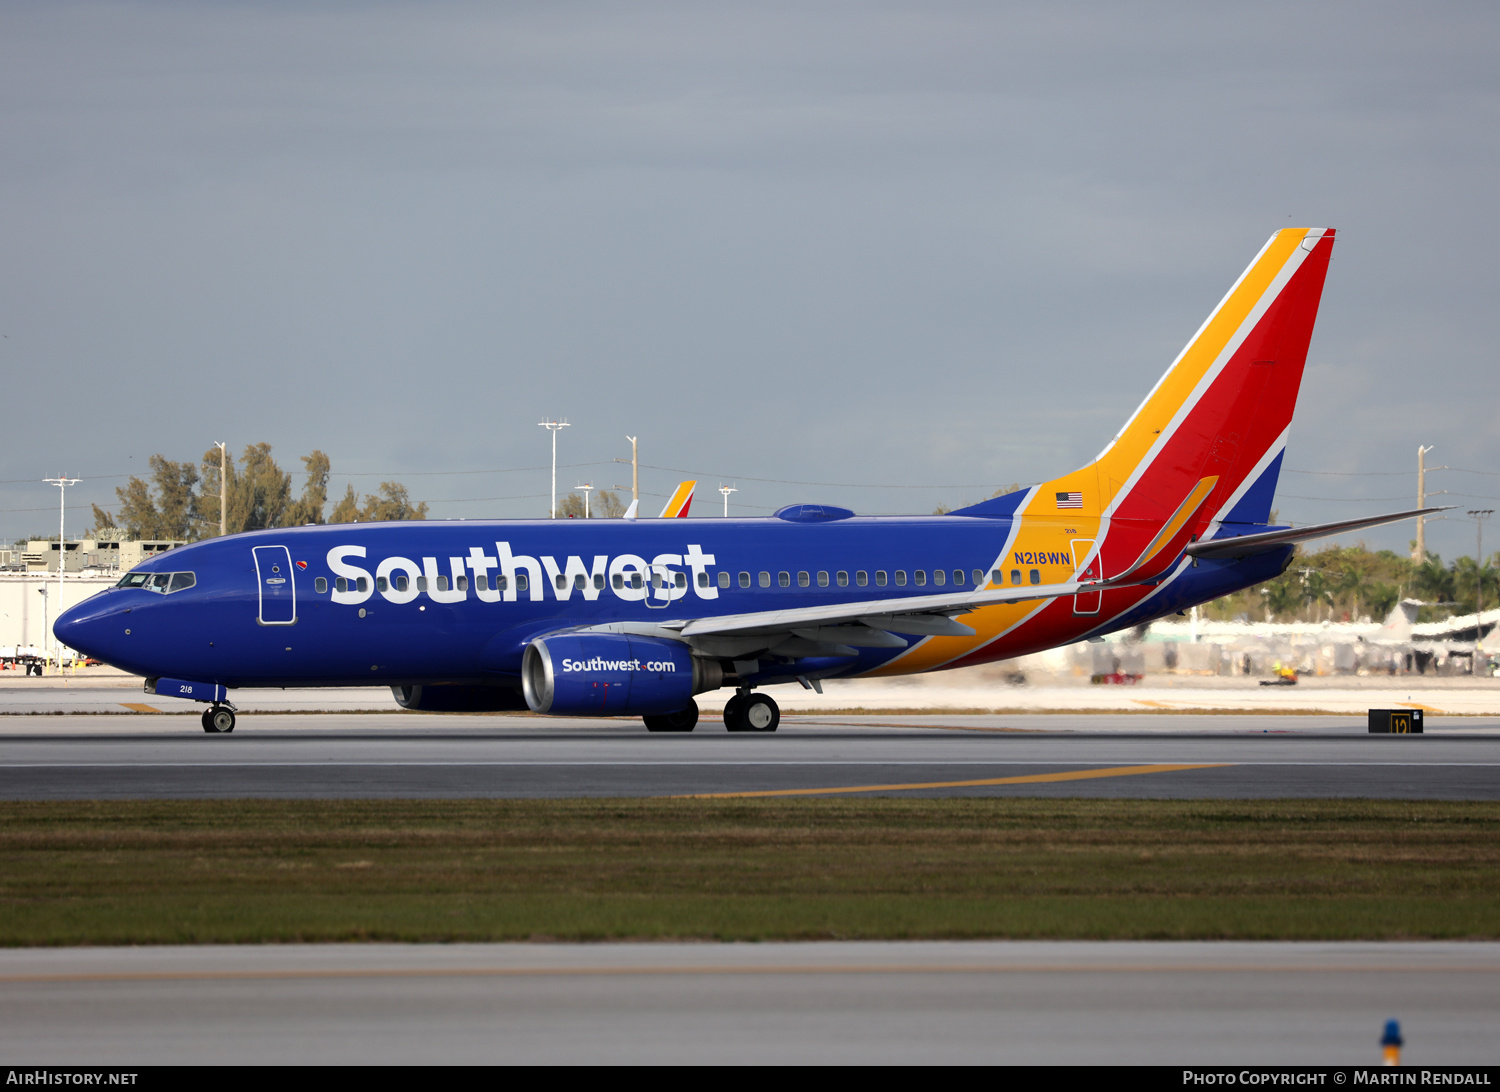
523, 582
880, 578
724, 579
803, 580
784, 579
400, 581
599, 581
1036, 577
822, 580
702, 580
363, 583
380, 583
421, 583
979, 577
900, 578
320, 585
744, 580
463, 583
617, 581
559, 581
765, 580
861, 577
341, 584
681, 580
938, 576
482, 582
579, 581
919, 577
843, 578
1015, 576
442, 583
958, 576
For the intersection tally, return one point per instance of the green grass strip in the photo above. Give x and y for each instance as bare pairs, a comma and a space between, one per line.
247, 871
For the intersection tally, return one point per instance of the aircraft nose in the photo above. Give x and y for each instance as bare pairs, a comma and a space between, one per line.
85, 628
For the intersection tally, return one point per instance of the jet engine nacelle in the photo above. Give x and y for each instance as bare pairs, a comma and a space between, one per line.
458, 699
613, 674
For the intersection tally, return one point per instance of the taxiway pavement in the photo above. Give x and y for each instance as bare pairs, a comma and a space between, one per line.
426, 755
1009, 1002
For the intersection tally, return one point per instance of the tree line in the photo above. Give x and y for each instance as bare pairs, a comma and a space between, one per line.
181, 499
1351, 583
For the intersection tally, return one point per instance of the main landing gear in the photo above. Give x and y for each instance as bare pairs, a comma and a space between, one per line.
751, 712
684, 720
745, 712
218, 718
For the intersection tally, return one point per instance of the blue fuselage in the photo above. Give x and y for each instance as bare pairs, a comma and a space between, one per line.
425, 602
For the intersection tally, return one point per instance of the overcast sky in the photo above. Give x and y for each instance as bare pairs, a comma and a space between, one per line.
916, 251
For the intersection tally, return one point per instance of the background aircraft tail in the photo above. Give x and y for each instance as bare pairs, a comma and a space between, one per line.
680, 502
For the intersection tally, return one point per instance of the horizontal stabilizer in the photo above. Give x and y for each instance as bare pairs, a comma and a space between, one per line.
1245, 545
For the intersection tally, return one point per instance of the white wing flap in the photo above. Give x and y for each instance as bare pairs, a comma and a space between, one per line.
888, 611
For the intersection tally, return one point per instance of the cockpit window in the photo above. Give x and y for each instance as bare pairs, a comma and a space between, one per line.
162, 583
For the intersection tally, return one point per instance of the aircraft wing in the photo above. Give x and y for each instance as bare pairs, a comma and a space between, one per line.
868, 622
1245, 545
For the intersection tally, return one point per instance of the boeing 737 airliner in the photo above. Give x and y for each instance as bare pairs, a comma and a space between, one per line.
634, 617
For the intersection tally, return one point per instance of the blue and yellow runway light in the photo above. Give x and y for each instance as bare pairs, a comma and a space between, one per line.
1390, 1042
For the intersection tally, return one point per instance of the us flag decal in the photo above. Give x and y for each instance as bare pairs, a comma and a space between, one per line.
1070, 500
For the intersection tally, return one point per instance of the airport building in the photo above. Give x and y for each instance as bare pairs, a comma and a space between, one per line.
85, 555
28, 603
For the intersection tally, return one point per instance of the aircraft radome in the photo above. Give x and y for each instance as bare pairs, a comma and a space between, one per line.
610, 617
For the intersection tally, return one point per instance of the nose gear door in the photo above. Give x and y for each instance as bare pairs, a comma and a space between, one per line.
278, 588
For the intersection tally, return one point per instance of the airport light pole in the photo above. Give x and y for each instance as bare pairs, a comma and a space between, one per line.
1478, 515
726, 490
62, 546
1419, 554
635, 471
553, 427
223, 485
584, 488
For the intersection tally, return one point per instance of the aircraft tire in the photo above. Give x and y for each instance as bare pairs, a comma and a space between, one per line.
752, 713
218, 719
684, 720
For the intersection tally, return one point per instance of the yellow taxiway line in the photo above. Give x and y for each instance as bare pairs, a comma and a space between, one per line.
1027, 779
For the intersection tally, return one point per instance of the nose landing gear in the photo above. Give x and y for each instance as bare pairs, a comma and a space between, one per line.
218, 719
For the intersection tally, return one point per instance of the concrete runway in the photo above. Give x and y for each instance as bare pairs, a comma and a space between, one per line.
417, 755
1225, 1003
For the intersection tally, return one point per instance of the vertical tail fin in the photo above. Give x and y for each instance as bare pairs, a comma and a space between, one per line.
1206, 443
1223, 407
